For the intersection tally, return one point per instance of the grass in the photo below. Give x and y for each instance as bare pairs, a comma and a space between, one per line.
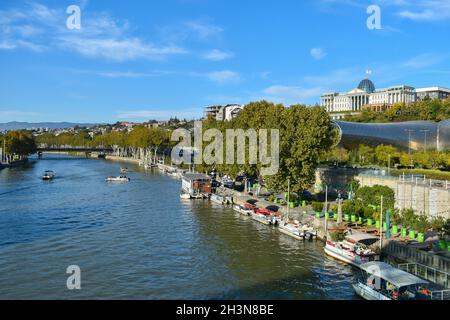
429, 173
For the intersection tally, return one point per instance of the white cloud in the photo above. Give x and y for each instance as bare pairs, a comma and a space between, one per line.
217, 55
317, 53
203, 30
423, 61
223, 77
291, 94
118, 49
426, 10
101, 36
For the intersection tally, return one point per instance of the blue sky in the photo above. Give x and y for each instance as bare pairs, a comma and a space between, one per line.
139, 60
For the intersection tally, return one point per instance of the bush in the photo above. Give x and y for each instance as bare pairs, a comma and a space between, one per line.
408, 218
337, 235
422, 225
317, 206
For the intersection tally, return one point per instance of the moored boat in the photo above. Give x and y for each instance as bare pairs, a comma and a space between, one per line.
243, 210
381, 281
297, 231
266, 216
354, 249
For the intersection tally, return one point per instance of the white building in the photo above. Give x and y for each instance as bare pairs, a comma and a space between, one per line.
365, 96
223, 113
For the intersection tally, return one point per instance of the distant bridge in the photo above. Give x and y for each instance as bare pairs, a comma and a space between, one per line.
66, 148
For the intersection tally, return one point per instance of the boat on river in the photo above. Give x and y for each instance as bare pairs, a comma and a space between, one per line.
354, 249
297, 231
381, 281
122, 178
243, 210
266, 216
223, 200
124, 170
48, 175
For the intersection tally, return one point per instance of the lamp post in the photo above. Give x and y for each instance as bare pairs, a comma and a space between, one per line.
425, 131
409, 139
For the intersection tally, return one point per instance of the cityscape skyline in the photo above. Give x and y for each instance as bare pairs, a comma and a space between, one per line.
125, 65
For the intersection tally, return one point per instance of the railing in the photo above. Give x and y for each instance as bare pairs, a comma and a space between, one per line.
410, 179
430, 274
440, 295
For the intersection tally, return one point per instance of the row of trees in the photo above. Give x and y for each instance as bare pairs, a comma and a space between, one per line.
435, 110
18, 143
140, 137
385, 155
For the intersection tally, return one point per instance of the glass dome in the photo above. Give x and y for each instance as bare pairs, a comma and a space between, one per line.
367, 86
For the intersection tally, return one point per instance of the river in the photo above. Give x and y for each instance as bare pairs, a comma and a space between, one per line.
141, 241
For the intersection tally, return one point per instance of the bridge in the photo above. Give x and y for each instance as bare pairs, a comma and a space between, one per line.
67, 148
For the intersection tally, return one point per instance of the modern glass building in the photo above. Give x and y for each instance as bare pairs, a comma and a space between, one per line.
416, 135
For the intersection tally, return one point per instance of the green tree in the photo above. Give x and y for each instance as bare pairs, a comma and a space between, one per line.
21, 143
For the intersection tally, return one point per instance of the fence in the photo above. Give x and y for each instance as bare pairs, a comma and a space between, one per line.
415, 255
431, 274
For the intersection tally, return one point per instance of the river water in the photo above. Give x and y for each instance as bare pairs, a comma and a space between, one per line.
141, 241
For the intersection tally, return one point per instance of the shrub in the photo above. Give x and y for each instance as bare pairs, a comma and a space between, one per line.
337, 235
317, 206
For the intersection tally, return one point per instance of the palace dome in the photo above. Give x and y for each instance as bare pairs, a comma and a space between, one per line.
367, 86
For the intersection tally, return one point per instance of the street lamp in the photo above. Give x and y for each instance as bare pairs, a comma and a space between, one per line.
409, 139
425, 131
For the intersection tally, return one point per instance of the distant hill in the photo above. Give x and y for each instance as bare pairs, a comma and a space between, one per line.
51, 125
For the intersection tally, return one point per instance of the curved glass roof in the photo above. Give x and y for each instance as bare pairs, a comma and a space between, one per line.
396, 134
367, 85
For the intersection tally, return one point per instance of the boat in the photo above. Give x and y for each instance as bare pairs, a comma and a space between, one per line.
266, 216
121, 178
297, 231
185, 196
354, 249
224, 200
381, 281
123, 170
48, 175
243, 210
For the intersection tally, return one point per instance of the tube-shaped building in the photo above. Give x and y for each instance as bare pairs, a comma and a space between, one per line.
416, 135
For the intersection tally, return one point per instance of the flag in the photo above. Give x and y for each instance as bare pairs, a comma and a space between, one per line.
368, 72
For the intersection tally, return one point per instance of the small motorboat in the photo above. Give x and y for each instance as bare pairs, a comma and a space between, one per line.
123, 170
48, 175
121, 178
243, 210
354, 249
185, 196
297, 231
266, 216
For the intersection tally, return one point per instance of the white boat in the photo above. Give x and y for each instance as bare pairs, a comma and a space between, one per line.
354, 249
297, 231
266, 217
185, 196
242, 210
48, 175
381, 281
121, 178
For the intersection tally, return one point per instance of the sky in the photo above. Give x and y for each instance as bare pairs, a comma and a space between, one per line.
136, 60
